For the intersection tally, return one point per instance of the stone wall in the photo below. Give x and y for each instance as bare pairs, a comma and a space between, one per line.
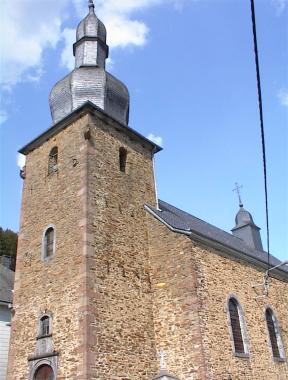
121, 334
97, 287
218, 277
56, 285
190, 310
176, 303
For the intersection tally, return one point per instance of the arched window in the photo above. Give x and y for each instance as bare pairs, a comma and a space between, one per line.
45, 325
274, 335
53, 161
45, 372
48, 243
122, 159
237, 328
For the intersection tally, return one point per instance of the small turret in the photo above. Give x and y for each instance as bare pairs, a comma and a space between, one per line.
246, 229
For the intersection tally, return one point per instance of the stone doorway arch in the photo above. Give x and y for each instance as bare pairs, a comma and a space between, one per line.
44, 372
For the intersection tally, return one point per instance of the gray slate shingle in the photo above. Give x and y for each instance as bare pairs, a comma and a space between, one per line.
6, 284
181, 220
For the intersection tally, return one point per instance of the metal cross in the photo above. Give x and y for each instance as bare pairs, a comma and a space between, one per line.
162, 355
237, 189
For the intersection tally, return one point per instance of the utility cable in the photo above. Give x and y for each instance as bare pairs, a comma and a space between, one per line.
261, 124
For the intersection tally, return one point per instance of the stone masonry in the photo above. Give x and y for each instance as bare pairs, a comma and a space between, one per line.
97, 287
120, 320
192, 283
57, 285
121, 285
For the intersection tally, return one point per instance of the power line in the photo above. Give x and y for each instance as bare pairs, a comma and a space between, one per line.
261, 124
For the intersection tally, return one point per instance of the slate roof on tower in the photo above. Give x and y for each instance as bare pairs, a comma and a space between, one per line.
89, 81
182, 222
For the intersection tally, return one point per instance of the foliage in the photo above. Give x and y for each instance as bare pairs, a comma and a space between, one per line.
8, 244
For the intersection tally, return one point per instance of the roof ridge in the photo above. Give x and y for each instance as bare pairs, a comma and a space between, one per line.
201, 220
234, 240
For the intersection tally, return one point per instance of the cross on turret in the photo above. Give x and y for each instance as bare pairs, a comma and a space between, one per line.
237, 189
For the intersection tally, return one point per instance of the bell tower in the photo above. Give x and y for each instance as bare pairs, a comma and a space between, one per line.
82, 302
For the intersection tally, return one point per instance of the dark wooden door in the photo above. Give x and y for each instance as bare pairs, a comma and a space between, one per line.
45, 372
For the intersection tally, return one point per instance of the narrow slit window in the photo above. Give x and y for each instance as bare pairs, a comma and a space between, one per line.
122, 159
49, 242
274, 335
53, 161
236, 327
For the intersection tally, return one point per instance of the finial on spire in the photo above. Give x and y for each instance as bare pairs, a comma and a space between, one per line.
237, 189
91, 5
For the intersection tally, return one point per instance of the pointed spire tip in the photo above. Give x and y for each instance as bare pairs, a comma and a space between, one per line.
91, 5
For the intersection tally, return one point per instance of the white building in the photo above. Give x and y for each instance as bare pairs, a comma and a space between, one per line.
6, 295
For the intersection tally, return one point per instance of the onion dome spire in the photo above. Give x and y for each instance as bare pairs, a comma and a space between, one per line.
89, 81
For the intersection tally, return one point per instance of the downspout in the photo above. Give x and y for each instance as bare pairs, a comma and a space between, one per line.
155, 180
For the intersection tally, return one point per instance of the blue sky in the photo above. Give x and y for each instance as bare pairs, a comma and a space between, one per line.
189, 66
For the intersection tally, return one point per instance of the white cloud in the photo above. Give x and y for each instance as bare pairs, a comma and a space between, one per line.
124, 32
21, 160
280, 5
156, 139
67, 58
283, 97
3, 116
28, 28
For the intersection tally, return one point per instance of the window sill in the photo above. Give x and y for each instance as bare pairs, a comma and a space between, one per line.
43, 336
279, 360
44, 356
241, 355
48, 259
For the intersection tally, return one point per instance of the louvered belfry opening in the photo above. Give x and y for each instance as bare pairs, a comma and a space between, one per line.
45, 372
236, 326
272, 334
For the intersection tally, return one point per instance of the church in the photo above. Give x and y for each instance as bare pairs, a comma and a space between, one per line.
112, 283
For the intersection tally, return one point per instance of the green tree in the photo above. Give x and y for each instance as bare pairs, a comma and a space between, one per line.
8, 244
